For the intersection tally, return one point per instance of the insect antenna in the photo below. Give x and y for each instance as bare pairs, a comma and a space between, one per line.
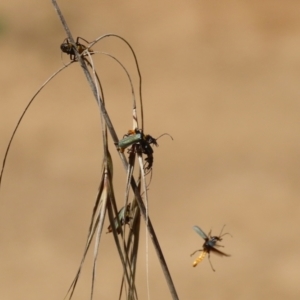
165, 134
221, 235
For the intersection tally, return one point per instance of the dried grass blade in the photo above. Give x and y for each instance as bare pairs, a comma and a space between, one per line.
92, 229
22, 116
101, 216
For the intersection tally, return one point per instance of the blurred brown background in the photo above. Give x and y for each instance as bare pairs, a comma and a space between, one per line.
222, 77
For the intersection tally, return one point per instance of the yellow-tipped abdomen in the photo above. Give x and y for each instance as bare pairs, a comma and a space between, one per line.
199, 258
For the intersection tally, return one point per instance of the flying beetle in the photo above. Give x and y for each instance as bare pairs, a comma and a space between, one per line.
124, 218
210, 244
68, 48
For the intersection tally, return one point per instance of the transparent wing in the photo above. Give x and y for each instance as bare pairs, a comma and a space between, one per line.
200, 232
216, 251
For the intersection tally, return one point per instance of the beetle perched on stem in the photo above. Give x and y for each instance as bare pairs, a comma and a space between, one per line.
68, 48
209, 246
124, 218
132, 137
140, 143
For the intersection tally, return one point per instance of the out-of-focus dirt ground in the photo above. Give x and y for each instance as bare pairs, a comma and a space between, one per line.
222, 77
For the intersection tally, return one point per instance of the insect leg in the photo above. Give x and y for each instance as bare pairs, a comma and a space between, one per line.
196, 252
211, 263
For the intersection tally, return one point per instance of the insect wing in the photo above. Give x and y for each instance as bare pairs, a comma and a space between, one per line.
216, 251
129, 140
200, 232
